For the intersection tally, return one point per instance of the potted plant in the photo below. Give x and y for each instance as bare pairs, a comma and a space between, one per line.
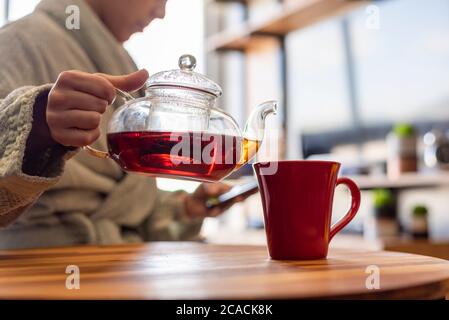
384, 204
419, 223
402, 150
382, 222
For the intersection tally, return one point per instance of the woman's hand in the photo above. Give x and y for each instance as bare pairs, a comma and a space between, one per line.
77, 101
195, 203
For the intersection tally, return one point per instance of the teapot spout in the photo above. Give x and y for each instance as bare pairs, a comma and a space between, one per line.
254, 131
255, 126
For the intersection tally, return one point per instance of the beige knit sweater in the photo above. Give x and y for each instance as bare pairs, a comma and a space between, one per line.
72, 198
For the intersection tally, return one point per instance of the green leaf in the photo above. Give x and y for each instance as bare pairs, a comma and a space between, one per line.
420, 210
404, 130
382, 198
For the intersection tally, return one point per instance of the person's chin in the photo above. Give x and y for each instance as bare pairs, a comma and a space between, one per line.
135, 31
125, 36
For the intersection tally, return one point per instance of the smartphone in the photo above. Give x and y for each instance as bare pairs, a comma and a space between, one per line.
244, 190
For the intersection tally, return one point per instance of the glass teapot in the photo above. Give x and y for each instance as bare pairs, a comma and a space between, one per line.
176, 131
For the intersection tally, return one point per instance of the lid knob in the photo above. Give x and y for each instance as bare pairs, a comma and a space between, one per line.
187, 62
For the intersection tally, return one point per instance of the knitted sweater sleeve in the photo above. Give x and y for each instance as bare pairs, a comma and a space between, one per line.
19, 190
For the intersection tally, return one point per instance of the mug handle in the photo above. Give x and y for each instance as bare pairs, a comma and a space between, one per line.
102, 154
355, 205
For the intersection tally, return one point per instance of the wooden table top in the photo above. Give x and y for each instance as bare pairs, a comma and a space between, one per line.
186, 270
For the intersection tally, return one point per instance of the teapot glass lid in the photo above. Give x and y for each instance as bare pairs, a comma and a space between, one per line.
184, 78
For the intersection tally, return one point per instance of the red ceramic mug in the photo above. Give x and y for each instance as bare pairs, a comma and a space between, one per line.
297, 202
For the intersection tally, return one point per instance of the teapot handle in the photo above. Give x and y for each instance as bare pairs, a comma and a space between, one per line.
102, 154
96, 153
124, 95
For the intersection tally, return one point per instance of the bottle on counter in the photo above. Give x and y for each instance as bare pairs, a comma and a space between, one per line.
402, 150
436, 150
419, 226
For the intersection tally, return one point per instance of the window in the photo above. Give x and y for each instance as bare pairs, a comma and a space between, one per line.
20, 8
164, 41
318, 92
402, 69
3, 16
349, 83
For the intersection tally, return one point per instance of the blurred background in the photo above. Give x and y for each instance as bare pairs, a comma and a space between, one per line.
365, 83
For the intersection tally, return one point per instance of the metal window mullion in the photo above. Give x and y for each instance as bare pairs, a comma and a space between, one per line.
350, 72
354, 102
4, 4
6, 12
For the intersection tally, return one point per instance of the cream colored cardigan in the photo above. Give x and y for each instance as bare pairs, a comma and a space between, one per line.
74, 198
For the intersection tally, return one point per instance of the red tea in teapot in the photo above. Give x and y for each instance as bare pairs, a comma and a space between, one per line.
186, 155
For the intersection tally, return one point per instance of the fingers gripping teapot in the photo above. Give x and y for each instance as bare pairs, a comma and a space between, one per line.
176, 131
